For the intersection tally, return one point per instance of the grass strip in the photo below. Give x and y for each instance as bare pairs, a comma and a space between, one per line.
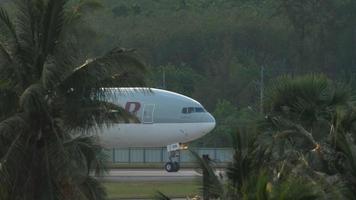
147, 189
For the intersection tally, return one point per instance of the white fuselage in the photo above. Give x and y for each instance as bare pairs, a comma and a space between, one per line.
165, 118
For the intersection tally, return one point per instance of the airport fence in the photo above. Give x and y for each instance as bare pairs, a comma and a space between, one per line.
160, 155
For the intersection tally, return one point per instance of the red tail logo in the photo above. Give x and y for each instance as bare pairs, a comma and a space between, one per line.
132, 107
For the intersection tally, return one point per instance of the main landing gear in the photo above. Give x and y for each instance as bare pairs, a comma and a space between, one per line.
174, 154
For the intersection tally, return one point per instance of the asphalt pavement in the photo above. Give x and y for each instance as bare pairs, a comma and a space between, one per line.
147, 175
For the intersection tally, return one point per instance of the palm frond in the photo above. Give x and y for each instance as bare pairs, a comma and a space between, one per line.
13, 145
4, 18
58, 66
342, 94
304, 97
51, 74
212, 187
15, 124
118, 68
32, 100
87, 153
249, 157
293, 129
28, 21
8, 102
54, 71
52, 25
86, 115
296, 188
5, 56
50, 173
92, 189
261, 187
160, 196
344, 144
255, 187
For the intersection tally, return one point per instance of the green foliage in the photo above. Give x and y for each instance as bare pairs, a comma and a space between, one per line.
249, 158
124, 11
346, 146
295, 188
302, 108
120, 11
308, 98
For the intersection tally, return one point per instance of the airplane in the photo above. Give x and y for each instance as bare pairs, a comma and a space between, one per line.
167, 119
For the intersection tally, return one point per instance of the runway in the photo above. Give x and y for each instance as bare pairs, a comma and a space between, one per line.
147, 175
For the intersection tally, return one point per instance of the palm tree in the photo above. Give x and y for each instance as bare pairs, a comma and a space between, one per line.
306, 99
48, 101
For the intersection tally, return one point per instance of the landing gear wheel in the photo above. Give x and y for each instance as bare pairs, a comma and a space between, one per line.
169, 167
172, 166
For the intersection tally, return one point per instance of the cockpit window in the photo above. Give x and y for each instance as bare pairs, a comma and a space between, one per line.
188, 110
199, 110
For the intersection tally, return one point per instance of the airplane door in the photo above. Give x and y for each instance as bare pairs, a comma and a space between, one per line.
147, 117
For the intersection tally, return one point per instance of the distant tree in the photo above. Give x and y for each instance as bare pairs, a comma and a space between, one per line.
182, 4
121, 11
136, 9
48, 100
316, 24
81, 31
179, 79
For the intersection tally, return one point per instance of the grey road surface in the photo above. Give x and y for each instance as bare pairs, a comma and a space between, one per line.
147, 175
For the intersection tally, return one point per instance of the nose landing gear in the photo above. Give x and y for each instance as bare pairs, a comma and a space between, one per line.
174, 155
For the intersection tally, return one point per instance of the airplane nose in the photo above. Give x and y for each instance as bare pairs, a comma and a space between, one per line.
206, 124
211, 120
209, 123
